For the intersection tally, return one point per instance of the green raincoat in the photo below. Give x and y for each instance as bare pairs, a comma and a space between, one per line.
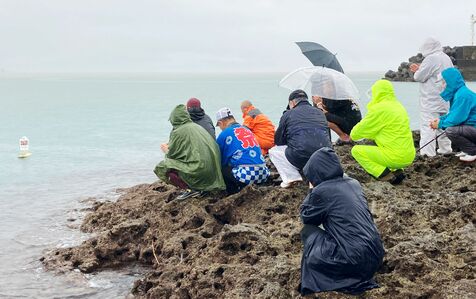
388, 125
193, 153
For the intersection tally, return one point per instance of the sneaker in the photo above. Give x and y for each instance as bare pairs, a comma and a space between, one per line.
442, 152
460, 154
468, 158
188, 194
289, 184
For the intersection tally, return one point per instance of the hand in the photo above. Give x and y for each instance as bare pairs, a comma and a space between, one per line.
434, 123
414, 67
321, 106
164, 147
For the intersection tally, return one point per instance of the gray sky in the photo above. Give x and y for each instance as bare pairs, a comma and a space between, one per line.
220, 35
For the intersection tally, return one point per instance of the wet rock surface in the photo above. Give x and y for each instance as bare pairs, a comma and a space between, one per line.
248, 245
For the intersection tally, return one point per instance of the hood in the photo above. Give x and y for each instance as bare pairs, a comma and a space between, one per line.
454, 81
196, 113
382, 90
179, 116
248, 110
323, 165
430, 46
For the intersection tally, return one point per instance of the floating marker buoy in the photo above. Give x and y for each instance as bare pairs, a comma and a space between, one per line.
24, 145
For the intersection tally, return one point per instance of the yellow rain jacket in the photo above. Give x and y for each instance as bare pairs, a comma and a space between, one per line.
386, 123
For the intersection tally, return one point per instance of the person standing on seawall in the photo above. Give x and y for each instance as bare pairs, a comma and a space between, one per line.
431, 104
460, 122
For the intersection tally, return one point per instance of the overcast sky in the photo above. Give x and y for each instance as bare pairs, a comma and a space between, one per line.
220, 35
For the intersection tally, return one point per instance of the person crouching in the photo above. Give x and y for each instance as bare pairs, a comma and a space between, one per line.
192, 157
241, 159
345, 255
387, 124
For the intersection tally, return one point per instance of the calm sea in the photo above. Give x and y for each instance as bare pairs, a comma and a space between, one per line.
91, 134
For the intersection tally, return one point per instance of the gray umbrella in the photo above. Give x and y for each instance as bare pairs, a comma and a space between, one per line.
320, 56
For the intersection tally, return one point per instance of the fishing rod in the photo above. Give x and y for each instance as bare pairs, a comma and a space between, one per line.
439, 135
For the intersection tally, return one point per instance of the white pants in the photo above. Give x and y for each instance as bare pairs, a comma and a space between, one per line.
286, 170
427, 134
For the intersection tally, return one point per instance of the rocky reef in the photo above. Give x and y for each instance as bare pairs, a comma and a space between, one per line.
248, 245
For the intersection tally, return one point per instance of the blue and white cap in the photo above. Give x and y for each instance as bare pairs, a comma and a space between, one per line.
223, 113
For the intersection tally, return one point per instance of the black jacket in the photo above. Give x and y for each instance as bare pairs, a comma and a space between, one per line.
304, 130
346, 254
199, 117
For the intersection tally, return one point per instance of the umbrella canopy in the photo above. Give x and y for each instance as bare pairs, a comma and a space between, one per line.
319, 55
321, 81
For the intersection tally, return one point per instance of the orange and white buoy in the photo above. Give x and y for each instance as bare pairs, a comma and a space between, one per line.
24, 148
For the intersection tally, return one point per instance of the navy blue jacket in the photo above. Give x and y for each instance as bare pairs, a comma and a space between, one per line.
345, 254
304, 130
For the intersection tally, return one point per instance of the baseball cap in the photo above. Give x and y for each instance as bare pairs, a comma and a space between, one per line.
297, 94
193, 103
223, 113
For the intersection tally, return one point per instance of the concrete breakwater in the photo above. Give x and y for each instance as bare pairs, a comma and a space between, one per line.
462, 57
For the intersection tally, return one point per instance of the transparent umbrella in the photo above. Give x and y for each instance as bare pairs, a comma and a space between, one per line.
321, 81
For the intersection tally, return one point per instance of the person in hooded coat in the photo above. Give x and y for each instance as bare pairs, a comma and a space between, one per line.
345, 255
192, 157
431, 104
460, 122
198, 116
387, 124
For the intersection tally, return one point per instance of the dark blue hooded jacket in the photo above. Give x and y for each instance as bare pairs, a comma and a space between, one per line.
462, 101
345, 255
304, 130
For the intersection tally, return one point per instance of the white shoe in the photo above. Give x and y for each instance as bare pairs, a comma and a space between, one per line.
460, 154
468, 158
441, 152
289, 184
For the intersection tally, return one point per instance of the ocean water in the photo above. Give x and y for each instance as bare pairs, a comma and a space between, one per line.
92, 134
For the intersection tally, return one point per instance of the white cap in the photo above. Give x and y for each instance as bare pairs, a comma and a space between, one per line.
223, 113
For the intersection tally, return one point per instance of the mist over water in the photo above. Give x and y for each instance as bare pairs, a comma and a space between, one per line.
91, 134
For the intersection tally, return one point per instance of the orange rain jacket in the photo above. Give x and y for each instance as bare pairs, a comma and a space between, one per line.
261, 126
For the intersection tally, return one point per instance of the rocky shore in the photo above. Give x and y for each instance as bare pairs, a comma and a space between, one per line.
248, 245
403, 72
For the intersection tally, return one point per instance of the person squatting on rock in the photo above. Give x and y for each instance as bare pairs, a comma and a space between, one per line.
388, 125
259, 124
341, 115
302, 130
198, 116
460, 122
345, 255
431, 104
241, 159
192, 157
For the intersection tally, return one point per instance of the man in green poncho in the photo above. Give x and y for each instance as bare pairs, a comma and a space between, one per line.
388, 125
192, 157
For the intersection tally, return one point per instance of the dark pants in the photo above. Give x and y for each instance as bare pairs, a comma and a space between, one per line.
347, 123
232, 184
176, 180
463, 138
